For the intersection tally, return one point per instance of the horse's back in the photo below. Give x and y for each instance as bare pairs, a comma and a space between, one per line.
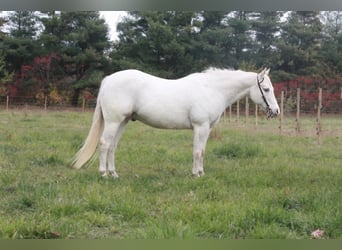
155, 101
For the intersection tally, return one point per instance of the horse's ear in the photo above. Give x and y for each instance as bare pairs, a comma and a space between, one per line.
267, 71
263, 72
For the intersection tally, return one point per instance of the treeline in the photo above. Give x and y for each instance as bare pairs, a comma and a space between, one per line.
64, 55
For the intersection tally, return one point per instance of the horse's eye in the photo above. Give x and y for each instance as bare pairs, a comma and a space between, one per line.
266, 89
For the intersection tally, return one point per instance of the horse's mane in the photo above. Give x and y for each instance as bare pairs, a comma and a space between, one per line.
216, 69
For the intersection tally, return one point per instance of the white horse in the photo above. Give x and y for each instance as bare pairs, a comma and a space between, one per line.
193, 102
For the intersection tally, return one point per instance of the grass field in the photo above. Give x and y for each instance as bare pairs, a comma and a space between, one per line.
257, 184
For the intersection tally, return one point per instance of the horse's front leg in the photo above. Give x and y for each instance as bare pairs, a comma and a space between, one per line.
201, 134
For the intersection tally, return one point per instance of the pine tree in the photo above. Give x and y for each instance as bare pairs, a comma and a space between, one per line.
160, 43
5, 75
23, 24
301, 38
19, 45
214, 45
331, 50
83, 42
240, 36
266, 26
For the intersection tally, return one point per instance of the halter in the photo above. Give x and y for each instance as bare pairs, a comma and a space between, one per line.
268, 110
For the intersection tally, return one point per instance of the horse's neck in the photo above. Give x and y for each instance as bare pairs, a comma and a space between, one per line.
237, 97
236, 87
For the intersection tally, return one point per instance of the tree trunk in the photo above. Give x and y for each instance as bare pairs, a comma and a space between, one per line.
75, 97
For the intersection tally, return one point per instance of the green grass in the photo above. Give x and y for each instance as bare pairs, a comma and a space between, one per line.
257, 184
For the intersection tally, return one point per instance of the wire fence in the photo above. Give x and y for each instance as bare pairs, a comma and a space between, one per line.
296, 118
33, 103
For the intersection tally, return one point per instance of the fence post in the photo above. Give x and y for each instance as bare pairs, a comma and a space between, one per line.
256, 115
230, 113
246, 111
319, 125
237, 110
281, 112
7, 103
83, 104
225, 116
45, 103
298, 112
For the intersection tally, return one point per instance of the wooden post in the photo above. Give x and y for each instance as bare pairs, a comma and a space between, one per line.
298, 112
225, 116
230, 113
238, 111
83, 104
319, 126
246, 111
45, 103
256, 115
281, 112
7, 103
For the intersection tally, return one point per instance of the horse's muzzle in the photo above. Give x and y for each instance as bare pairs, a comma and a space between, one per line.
270, 113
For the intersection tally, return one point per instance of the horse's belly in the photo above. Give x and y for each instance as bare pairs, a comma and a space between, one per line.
167, 120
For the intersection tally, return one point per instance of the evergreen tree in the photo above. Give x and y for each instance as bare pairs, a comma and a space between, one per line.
157, 42
71, 48
331, 50
214, 45
266, 26
19, 46
240, 37
301, 38
83, 42
23, 24
51, 37
5, 75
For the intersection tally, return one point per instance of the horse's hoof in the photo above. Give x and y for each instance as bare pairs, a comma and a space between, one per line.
103, 173
113, 174
199, 174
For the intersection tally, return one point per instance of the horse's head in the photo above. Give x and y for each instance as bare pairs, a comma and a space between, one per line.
262, 93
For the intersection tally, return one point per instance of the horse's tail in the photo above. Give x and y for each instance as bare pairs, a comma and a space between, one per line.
90, 144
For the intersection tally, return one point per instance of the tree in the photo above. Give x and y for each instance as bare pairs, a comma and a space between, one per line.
332, 23
158, 42
301, 38
240, 36
266, 26
331, 51
23, 24
83, 42
214, 46
42, 70
51, 37
19, 46
5, 75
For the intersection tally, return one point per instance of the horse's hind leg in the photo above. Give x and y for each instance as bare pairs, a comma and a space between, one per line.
107, 138
112, 149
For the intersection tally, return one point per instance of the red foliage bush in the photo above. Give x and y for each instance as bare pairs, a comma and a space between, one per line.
309, 87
